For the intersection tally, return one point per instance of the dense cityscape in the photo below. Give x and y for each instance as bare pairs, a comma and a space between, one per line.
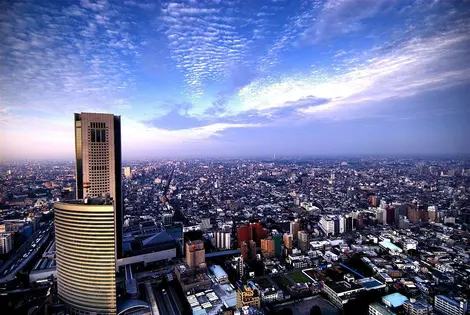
347, 235
234, 157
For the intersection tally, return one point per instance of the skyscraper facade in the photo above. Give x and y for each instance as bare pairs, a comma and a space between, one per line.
195, 253
85, 255
98, 162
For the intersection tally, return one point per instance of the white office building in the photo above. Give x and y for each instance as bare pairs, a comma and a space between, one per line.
6, 243
448, 306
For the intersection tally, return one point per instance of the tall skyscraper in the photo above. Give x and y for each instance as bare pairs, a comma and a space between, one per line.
294, 228
98, 162
89, 229
85, 255
304, 241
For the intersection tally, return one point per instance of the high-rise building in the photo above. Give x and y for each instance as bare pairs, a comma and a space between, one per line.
432, 211
259, 232
252, 245
223, 239
127, 172
167, 218
390, 216
6, 243
294, 228
327, 225
268, 247
98, 162
303, 241
240, 267
244, 250
195, 253
205, 224
244, 234
277, 238
288, 241
86, 255
251, 231
413, 214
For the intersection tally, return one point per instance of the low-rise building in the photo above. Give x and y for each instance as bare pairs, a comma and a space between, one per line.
413, 307
449, 306
247, 295
341, 292
379, 309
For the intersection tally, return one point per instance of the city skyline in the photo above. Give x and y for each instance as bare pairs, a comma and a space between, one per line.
228, 78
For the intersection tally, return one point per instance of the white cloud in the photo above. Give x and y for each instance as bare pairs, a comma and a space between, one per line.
418, 65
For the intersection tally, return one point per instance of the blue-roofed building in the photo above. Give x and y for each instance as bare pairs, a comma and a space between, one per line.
219, 273
448, 306
394, 300
371, 284
392, 248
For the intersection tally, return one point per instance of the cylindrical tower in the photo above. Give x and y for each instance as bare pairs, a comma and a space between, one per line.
86, 257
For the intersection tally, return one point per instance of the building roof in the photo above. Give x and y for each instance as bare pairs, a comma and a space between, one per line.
157, 238
218, 271
382, 309
395, 299
370, 283
342, 286
391, 246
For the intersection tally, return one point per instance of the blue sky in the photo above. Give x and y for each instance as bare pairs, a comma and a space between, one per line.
234, 78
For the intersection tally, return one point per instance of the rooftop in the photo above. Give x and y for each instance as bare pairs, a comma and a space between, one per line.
395, 299
382, 309
342, 286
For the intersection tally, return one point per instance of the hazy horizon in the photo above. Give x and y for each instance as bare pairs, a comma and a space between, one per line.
232, 79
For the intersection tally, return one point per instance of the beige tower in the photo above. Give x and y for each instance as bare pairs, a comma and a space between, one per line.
195, 253
85, 255
98, 162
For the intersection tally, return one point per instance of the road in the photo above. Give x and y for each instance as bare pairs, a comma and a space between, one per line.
25, 253
151, 298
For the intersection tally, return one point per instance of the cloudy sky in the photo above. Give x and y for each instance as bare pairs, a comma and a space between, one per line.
237, 77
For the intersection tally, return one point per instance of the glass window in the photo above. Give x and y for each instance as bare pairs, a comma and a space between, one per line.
92, 135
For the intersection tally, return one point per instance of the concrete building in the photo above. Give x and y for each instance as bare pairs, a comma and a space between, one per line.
195, 253
219, 273
288, 238
327, 225
304, 241
223, 239
240, 266
252, 245
294, 228
413, 307
127, 172
341, 292
268, 247
86, 255
6, 243
379, 309
448, 306
247, 295
98, 162
192, 278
